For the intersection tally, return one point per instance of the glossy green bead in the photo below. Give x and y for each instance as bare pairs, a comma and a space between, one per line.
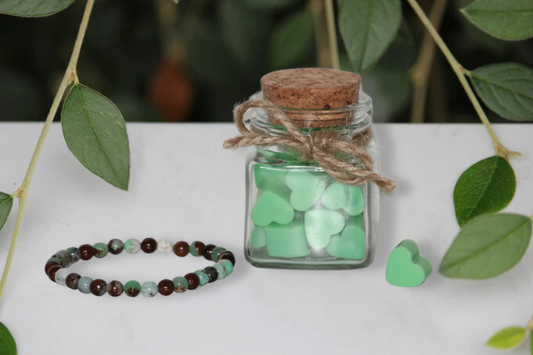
74, 254
55, 259
221, 271
228, 266
132, 246
149, 289
132, 288
84, 284
101, 250
216, 253
62, 258
180, 284
202, 275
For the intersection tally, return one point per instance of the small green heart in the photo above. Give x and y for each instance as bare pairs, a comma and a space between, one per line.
286, 241
258, 237
348, 197
306, 188
406, 267
281, 158
264, 173
272, 206
351, 244
320, 225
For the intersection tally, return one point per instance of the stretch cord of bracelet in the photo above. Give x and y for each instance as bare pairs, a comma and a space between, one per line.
56, 267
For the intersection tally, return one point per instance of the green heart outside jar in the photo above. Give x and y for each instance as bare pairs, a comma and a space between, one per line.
320, 225
406, 267
286, 241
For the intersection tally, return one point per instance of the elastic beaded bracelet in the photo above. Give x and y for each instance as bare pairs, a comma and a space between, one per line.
56, 267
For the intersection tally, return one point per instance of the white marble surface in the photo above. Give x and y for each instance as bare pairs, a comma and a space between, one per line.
183, 190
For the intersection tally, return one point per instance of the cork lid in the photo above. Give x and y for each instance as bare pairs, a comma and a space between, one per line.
312, 94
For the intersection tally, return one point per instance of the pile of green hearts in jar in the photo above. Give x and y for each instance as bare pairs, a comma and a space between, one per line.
302, 211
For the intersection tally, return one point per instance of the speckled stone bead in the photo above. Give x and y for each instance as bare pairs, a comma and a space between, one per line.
61, 276
66, 255
221, 271
166, 287
84, 285
227, 255
181, 249
74, 254
52, 272
208, 251
115, 246
216, 253
227, 265
132, 246
62, 257
132, 288
72, 281
149, 245
100, 250
164, 245
193, 281
50, 263
197, 248
149, 289
115, 288
202, 276
180, 284
212, 273
98, 287
86, 251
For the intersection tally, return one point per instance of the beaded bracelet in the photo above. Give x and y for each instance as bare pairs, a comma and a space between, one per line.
56, 267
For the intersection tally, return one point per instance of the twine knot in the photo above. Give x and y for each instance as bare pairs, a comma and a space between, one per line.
334, 154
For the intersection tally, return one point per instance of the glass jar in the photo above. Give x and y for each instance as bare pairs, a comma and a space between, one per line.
297, 216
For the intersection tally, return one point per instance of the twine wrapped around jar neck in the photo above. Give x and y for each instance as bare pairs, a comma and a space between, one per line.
324, 146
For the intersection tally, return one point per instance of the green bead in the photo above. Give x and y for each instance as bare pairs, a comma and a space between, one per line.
228, 266
101, 250
202, 275
54, 259
149, 289
132, 288
62, 258
221, 271
180, 284
132, 246
84, 284
216, 253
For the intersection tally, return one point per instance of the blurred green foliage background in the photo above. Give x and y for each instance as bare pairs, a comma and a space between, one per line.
159, 61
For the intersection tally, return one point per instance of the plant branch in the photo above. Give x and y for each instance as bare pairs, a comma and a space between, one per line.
529, 326
332, 34
461, 72
22, 192
422, 68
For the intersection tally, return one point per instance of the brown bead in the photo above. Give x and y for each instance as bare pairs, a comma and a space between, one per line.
49, 265
149, 245
208, 250
72, 281
197, 248
227, 255
98, 287
86, 251
115, 288
52, 272
181, 249
193, 280
166, 287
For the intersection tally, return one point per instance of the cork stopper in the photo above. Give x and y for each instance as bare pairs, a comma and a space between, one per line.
312, 94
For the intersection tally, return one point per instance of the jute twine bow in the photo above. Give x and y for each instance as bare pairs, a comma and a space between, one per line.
325, 147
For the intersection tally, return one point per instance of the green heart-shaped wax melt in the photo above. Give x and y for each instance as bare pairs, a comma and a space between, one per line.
283, 158
307, 187
320, 225
406, 267
258, 237
348, 197
351, 244
273, 204
286, 241
263, 173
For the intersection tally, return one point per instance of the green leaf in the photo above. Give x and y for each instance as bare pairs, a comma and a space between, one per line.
487, 246
504, 19
507, 89
487, 186
6, 202
507, 338
292, 42
33, 8
7, 343
96, 134
272, 5
368, 27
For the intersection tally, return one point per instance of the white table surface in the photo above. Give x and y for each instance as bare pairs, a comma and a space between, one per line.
185, 190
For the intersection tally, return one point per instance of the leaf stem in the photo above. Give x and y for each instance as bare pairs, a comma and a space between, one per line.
332, 34
461, 75
22, 192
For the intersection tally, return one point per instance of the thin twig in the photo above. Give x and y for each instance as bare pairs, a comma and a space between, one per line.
332, 34
422, 68
461, 72
22, 193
